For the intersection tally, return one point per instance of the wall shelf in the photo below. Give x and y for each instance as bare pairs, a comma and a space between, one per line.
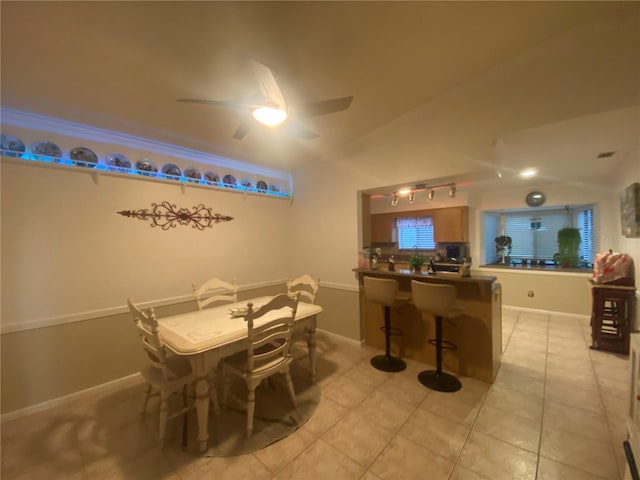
98, 170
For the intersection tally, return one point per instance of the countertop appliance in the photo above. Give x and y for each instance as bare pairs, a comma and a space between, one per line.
456, 252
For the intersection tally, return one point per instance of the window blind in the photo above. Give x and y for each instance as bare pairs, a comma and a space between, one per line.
415, 232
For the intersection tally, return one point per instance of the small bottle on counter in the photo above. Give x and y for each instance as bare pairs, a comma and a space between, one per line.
392, 264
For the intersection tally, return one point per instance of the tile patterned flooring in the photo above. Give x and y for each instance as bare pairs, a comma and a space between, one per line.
555, 411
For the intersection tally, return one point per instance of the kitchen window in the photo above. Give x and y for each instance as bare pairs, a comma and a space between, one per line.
534, 234
415, 233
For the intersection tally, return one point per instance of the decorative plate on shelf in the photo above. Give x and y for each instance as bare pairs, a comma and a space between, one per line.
262, 186
229, 180
246, 183
192, 174
117, 161
83, 157
45, 149
171, 170
211, 177
11, 146
146, 166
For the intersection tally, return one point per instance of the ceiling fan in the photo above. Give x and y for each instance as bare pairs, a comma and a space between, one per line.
271, 108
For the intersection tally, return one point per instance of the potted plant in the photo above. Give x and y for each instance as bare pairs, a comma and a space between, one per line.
503, 243
417, 261
568, 246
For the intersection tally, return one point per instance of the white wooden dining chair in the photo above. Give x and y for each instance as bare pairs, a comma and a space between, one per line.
215, 291
306, 285
164, 375
267, 351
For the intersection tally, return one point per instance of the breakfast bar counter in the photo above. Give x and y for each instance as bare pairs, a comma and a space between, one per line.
477, 332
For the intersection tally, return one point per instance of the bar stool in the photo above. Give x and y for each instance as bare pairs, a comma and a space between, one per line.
437, 300
384, 291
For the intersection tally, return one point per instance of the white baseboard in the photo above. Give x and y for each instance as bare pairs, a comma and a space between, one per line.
577, 316
119, 383
357, 343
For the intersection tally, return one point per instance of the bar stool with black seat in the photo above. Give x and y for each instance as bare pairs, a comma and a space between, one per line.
437, 300
384, 291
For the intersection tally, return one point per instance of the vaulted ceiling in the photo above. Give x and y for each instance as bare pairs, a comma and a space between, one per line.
122, 65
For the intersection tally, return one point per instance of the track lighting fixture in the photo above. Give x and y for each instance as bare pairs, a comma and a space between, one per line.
452, 190
432, 193
412, 197
394, 202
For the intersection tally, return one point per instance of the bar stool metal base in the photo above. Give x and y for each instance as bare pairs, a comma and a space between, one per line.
440, 382
388, 363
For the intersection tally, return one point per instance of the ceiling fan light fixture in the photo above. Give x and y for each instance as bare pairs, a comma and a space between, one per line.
270, 116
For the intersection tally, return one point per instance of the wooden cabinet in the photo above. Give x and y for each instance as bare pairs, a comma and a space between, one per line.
382, 226
451, 224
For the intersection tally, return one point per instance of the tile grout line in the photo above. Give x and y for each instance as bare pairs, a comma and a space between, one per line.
544, 400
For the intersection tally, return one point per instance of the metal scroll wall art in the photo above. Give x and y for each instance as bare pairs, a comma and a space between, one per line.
166, 215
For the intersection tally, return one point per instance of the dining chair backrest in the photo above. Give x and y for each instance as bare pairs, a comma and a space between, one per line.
268, 343
214, 291
147, 325
433, 298
305, 285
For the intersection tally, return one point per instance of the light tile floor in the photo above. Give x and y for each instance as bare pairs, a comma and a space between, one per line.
555, 411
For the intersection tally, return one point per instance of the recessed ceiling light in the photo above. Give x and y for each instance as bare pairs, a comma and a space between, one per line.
270, 116
528, 173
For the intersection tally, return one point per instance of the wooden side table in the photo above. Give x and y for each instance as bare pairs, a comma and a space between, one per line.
612, 313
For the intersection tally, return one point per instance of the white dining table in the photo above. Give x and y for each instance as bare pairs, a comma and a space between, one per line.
208, 335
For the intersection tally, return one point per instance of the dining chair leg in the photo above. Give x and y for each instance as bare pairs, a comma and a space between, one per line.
292, 392
251, 407
147, 396
185, 417
164, 416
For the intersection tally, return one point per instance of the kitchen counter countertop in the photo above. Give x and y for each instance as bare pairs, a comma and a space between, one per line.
448, 276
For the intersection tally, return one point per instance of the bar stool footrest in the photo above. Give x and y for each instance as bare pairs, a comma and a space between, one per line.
388, 363
440, 382
445, 344
392, 330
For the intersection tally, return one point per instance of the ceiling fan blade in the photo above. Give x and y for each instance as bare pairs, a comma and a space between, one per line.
268, 84
221, 103
323, 107
298, 130
241, 131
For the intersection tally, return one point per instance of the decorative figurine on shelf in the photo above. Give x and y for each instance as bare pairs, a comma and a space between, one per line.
503, 247
392, 264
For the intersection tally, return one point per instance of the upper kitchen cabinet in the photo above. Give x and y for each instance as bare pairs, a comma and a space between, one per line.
451, 224
382, 226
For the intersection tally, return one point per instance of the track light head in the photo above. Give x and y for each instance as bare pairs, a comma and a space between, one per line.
412, 197
452, 190
432, 193
394, 202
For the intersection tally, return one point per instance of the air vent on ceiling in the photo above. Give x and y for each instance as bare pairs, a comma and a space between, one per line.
605, 155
